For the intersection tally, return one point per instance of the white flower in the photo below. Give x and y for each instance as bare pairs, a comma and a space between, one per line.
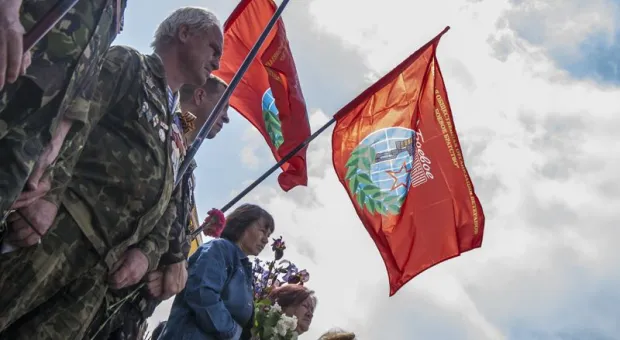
290, 322
275, 308
281, 327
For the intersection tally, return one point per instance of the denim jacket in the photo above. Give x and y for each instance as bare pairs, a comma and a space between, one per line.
217, 302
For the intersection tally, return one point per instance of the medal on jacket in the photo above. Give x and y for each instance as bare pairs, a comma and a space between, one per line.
155, 120
177, 136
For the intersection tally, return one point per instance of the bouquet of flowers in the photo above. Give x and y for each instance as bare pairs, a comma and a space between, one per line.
270, 322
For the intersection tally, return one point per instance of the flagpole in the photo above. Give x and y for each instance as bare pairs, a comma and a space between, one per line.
49, 20
216, 112
267, 173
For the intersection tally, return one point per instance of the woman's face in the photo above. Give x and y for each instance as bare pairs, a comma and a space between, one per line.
304, 313
254, 238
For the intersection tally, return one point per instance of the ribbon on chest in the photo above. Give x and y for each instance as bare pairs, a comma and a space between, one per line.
178, 147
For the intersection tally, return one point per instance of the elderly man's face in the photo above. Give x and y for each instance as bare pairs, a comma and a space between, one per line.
208, 105
201, 53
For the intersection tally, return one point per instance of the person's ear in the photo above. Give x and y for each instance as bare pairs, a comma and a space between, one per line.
183, 33
200, 95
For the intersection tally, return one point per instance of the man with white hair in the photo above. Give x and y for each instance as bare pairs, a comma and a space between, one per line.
171, 276
116, 190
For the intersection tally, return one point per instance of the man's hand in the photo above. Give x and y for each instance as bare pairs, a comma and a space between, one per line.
28, 197
40, 214
131, 268
168, 281
175, 277
12, 58
155, 283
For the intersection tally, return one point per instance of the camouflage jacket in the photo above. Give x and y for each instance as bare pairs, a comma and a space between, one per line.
121, 193
54, 56
178, 242
69, 57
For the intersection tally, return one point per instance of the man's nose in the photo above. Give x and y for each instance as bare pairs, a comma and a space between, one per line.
215, 64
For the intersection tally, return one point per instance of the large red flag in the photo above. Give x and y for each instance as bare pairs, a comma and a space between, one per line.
269, 94
396, 152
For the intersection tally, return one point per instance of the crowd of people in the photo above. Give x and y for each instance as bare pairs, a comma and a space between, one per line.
94, 232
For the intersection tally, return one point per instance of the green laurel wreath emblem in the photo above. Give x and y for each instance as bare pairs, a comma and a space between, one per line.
274, 128
368, 195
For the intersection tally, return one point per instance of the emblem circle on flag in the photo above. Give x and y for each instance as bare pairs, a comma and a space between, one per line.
271, 117
382, 169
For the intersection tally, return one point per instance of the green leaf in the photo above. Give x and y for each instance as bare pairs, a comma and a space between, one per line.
365, 162
364, 179
353, 160
268, 332
371, 190
394, 209
351, 171
355, 182
357, 151
370, 205
361, 197
372, 154
390, 199
381, 209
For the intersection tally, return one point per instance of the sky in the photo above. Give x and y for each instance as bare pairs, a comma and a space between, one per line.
535, 91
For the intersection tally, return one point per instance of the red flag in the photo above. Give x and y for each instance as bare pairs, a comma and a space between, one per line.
269, 94
397, 154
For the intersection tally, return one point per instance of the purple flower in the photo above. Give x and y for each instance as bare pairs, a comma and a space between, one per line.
278, 247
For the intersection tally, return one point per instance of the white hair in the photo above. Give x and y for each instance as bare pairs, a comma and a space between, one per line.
195, 18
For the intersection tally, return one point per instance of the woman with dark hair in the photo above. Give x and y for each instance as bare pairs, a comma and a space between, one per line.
217, 302
296, 300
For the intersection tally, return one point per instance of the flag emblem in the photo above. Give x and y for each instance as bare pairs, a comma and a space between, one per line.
271, 116
384, 167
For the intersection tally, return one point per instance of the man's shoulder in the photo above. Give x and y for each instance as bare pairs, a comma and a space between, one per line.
123, 55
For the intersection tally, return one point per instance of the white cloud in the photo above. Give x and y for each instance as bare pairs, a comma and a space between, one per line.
560, 25
539, 145
252, 143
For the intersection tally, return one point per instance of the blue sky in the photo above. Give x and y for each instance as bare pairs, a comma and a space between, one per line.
536, 97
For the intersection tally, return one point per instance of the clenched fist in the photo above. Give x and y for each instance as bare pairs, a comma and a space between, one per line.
131, 268
39, 215
167, 281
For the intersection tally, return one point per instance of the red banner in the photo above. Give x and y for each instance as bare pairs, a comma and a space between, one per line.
396, 152
269, 94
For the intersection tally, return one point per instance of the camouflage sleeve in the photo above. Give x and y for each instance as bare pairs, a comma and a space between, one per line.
156, 243
120, 69
177, 237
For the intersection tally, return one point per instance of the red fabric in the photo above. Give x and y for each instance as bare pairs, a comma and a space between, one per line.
273, 68
406, 118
